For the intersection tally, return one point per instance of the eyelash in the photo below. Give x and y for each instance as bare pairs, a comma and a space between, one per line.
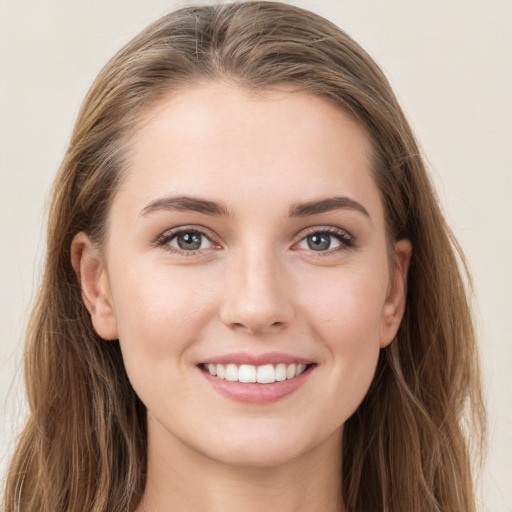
164, 239
346, 240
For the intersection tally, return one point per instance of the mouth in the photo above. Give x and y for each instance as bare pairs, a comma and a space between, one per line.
252, 374
256, 384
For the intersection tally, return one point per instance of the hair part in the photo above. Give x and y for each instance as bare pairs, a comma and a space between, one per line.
84, 444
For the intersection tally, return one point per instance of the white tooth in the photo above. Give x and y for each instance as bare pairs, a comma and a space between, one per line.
300, 369
221, 371
266, 374
231, 372
247, 373
280, 372
212, 368
290, 371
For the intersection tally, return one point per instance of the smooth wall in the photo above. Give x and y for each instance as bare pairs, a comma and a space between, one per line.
450, 65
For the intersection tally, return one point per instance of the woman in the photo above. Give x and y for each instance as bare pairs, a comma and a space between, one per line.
251, 298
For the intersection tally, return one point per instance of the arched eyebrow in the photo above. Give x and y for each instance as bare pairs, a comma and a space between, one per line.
199, 205
188, 204
327, 205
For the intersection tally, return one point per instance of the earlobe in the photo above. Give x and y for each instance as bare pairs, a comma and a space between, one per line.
394, 307
92, 276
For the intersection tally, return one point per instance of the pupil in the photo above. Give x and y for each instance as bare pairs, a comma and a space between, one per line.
319, 242
189, 241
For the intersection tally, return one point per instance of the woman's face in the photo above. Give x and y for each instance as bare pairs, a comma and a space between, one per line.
248, 232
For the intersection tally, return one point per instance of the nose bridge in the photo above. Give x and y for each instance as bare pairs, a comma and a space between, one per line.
256, 296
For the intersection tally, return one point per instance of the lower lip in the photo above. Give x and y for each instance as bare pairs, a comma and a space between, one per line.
257, 393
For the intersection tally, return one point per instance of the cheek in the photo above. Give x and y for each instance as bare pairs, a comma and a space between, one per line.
348, 305
346, 316
159, 312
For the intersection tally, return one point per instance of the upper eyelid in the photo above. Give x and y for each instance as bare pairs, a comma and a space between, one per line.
344, 237
169, 234
205, 231
163, 240
331, 230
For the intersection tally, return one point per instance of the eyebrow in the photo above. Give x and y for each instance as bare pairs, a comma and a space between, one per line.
188, 204
327, 205
196, 204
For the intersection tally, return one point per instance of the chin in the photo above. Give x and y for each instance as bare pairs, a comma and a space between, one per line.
260, 450
257, 457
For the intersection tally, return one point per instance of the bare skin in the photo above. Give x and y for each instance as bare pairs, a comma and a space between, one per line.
252, 269
308, 483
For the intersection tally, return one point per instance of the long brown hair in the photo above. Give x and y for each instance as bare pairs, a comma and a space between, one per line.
84, 444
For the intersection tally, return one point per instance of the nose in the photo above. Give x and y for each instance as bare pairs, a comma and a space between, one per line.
256, 296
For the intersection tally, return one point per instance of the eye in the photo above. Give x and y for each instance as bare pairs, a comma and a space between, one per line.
326, 240
185, 240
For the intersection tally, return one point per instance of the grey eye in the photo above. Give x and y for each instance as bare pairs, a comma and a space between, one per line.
319, 242
190, 241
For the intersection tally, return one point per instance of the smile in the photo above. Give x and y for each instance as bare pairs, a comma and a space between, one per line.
256, 384
248, 373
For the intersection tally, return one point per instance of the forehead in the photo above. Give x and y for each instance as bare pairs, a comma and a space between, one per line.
222, 142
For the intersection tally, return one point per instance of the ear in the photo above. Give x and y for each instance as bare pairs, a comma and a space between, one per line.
92, 275
394, 306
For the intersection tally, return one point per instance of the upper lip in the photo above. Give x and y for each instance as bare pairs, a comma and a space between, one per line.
257, 359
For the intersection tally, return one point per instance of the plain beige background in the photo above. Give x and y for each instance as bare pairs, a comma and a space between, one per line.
450, 65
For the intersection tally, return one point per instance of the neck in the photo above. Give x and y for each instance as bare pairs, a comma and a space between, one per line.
180, 478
